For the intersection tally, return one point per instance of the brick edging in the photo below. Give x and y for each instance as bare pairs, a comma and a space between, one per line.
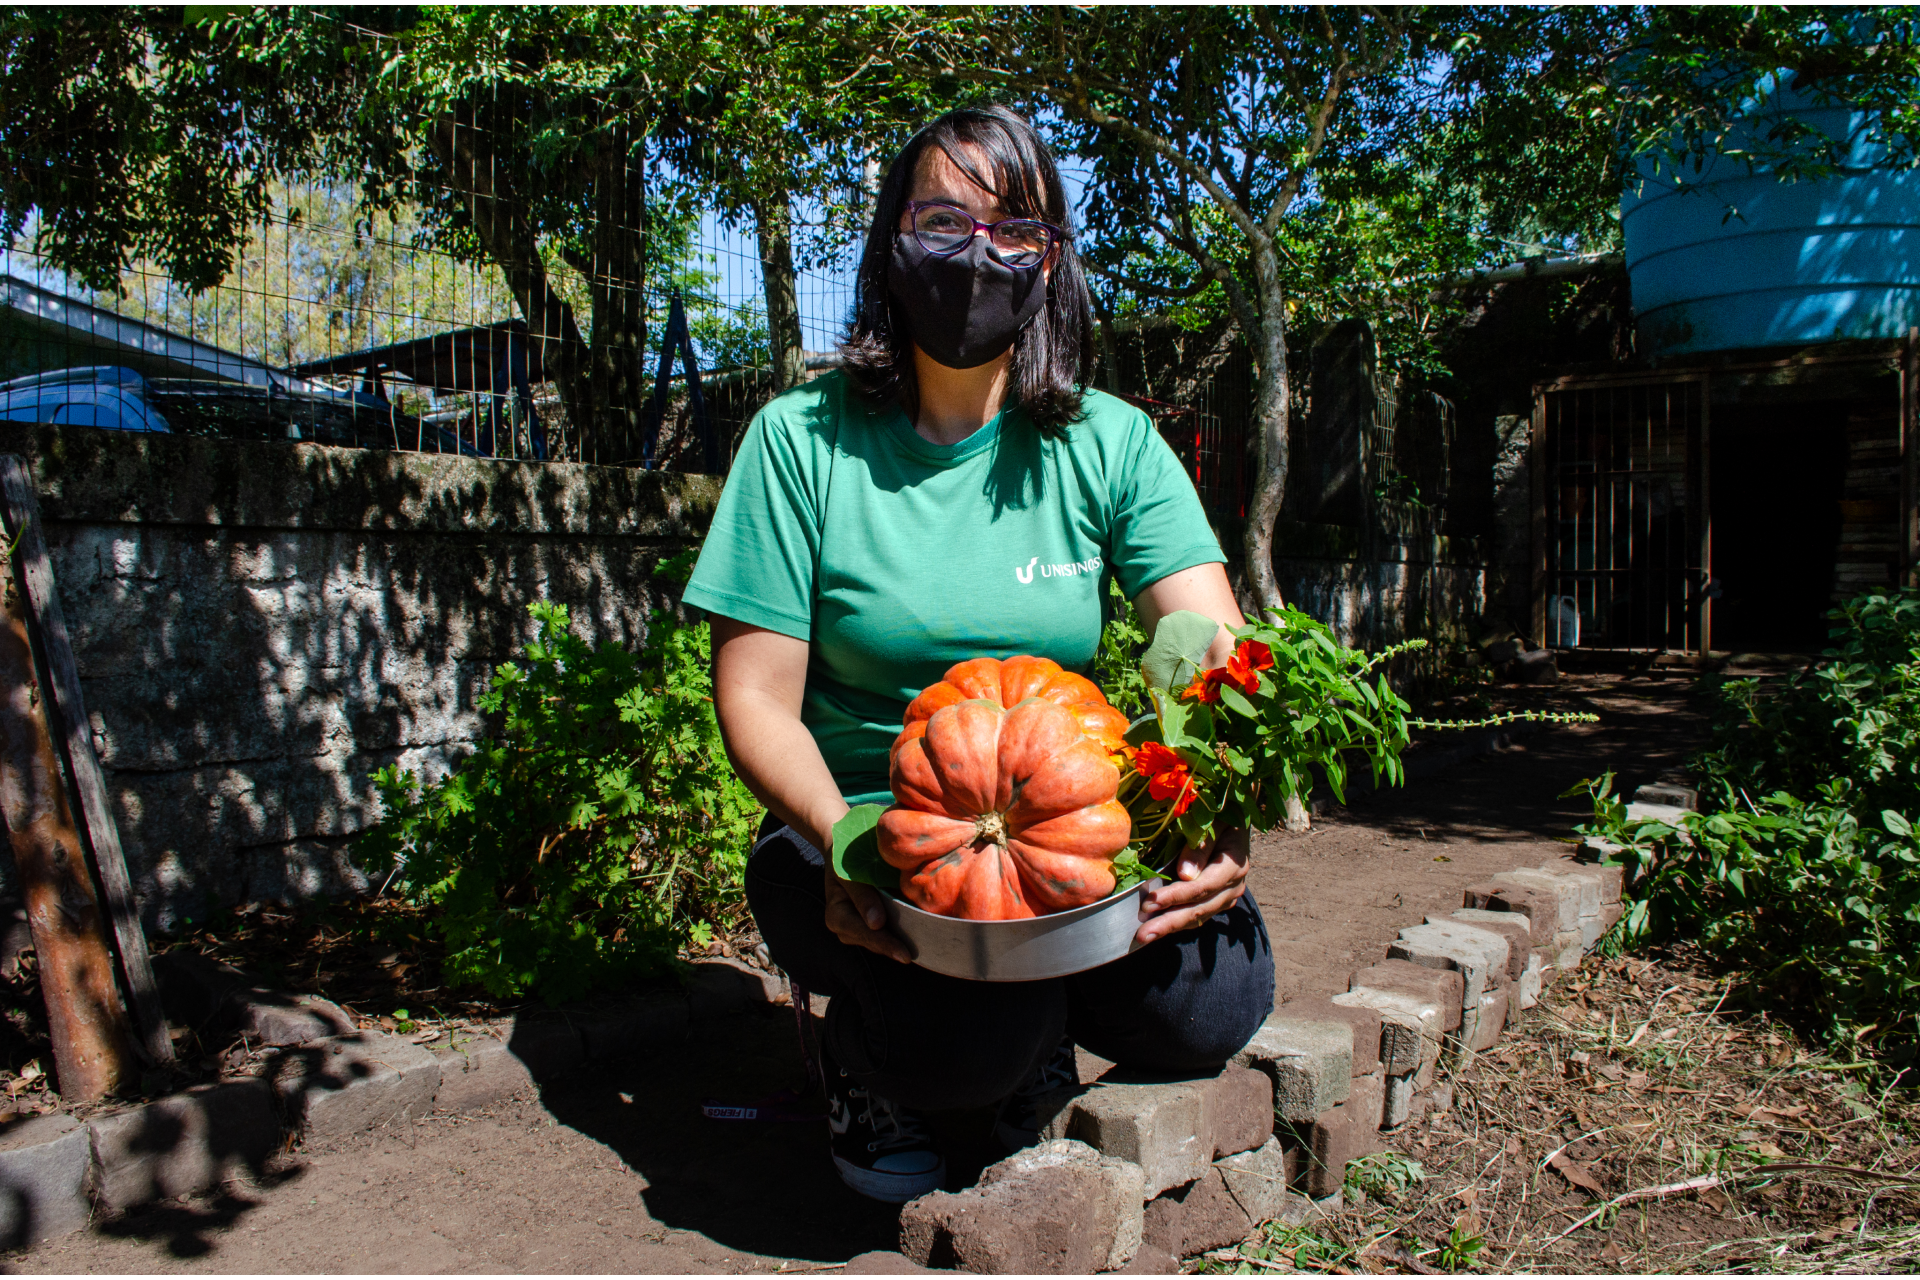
1271, 1136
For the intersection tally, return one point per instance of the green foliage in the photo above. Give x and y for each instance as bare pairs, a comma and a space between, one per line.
1853, 715
1819, 905
1287, 711
1317, 702
1385, 1174
1462, 1246
856, 848
1116, 667
1803, 869
601, 830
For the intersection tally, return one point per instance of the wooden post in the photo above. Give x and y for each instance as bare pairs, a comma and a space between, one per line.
1537, 482
1706, 520
92, 1051
67, 724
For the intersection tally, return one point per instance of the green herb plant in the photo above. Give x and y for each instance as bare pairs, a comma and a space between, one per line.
1385, 1174
1803, 867
1314, 705
1116, 665
1460, 1250
600, 831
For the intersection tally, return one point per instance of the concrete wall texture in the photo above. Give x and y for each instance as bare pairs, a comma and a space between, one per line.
1379, 591
260, 626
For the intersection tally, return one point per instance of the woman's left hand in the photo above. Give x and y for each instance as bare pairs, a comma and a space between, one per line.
1206, 880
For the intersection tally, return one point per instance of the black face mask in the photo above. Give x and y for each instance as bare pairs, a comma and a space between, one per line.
965, 309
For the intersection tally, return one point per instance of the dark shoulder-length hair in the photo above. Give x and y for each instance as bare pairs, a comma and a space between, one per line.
1053, 356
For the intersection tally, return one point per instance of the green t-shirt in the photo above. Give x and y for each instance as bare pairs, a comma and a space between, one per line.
895, 558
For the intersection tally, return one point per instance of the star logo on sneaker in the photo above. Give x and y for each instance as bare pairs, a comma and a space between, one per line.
839, 1116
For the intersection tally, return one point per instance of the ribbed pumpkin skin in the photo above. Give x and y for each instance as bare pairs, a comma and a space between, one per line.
1002, 814
1012, 682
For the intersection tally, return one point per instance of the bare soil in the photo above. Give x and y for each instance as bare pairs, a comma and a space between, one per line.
616, 1170
1335, 895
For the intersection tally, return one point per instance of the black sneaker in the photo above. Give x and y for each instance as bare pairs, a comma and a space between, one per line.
883, 1151
1020, 1118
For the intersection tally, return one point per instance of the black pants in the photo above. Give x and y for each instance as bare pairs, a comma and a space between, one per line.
1183, 1004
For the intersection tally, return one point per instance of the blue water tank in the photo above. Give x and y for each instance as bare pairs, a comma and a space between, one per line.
1733, 257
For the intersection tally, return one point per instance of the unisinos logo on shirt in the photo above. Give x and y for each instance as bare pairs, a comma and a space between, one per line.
1072, 570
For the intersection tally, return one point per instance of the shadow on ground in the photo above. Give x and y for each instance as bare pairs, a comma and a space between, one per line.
761, 1187
185, 1229
1648, 728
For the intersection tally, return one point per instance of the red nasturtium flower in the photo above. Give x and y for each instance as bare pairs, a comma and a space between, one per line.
1167, 775
1242, 671
1244, 667
1205, 686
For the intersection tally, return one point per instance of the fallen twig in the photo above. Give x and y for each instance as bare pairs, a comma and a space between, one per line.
1703, 1183
1563, 1146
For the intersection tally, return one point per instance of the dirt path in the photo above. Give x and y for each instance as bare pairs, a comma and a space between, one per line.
1335, 896
617, 1171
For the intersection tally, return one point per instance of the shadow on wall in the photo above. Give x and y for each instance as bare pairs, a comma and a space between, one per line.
1374, 596
259, 627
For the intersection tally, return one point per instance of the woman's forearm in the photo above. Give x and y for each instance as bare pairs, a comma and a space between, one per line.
777, 758
1202, 589
759, 678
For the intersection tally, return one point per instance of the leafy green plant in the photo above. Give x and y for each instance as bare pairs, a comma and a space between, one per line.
1230, 746
1803, 869
601, 829
1854, 714
1461, 1248
1385, 1174
1819, 905
1116, 666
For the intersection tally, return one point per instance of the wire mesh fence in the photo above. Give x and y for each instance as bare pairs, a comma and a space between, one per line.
479, 311
602, 305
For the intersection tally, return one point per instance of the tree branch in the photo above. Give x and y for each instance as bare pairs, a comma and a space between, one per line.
1142, 286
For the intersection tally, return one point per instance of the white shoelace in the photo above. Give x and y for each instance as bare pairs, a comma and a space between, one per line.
894, 1125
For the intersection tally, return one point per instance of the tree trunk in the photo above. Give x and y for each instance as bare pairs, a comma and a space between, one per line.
774, 220
617, 279
1273, 408
500, 223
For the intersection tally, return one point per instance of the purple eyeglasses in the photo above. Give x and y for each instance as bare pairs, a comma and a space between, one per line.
944, 230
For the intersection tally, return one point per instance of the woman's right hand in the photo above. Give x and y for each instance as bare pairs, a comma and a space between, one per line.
857, 915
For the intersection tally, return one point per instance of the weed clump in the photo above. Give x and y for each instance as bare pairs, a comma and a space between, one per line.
1803, 868
599, 833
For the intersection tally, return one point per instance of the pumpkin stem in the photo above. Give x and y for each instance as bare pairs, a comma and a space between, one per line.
991, 827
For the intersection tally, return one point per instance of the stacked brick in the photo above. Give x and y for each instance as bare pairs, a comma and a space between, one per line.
1272, 1135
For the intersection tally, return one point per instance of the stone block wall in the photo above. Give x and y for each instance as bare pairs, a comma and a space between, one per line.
1378, 592
260, 626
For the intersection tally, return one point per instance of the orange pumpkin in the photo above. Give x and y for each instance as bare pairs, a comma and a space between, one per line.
1012, 682
1004, 813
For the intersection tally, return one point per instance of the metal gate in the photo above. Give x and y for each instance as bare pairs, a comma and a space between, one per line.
1619, 504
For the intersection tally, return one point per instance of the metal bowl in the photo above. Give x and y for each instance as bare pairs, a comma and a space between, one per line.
1021, 950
